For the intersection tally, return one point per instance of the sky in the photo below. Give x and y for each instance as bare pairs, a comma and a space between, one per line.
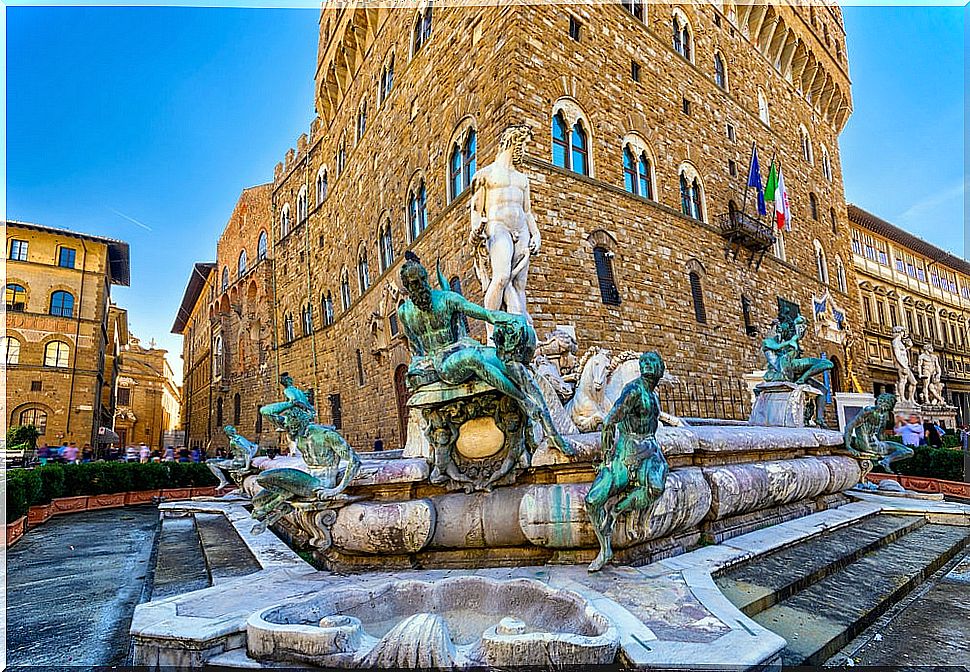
145, 124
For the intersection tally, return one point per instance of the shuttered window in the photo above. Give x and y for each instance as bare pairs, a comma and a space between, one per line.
697, 295
604, 276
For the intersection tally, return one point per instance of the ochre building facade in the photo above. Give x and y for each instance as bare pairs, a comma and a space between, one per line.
147, 398
903, 281
61, 330
644, 117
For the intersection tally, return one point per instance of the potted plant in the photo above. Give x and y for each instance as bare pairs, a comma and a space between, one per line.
52, 485
111, 485
75, 493
21, 487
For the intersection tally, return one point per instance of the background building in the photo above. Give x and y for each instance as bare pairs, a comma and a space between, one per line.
61, 330
644, 116
147, 398
905, 281
192, 323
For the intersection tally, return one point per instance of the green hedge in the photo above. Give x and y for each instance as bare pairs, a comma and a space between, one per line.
928, 462
31, 487
952, 441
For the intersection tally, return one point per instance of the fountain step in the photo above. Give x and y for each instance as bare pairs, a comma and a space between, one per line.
180, 565
754, 587
226, 555
820, 619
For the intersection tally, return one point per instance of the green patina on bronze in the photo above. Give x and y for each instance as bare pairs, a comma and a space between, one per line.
786, 363
863, 435
322, 448
633, 473
445, 364
240, 464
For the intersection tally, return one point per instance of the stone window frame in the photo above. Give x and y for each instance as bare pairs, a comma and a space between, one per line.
465, 134
696, 274
688, 171
764, 111
386, 82
306, 319
262, 246
65, 307
633, 6
840, 276
11, 355
607, 284
573, 114
639, 143
61, 249
19, 287
23, 249
326, 306
826, 163
218, 356
322, 183
285, 221
385, 244
721, 73
60, 354
681, 27
422, 26
363, 269
821, 262
416, 219
224, 285
16, 416
302, 204
242, 264
805, 140
346, 299
360, 126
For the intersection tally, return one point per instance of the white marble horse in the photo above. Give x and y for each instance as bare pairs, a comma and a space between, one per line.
589, 405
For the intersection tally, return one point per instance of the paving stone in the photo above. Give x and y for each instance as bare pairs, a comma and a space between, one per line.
180, 565
226, 555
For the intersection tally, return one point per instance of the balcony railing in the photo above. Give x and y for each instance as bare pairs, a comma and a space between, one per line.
747, 231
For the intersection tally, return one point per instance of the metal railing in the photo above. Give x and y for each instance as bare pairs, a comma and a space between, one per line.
723, 400
745, 230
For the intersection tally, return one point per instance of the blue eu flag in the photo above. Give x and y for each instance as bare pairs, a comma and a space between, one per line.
754, 180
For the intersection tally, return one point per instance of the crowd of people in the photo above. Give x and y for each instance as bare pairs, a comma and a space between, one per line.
914, 432
68, 453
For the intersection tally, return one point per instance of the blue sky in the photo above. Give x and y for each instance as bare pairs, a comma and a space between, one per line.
146, 123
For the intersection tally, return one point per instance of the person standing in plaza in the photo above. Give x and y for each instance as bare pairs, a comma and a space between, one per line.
144, 453
70, 453
911, 432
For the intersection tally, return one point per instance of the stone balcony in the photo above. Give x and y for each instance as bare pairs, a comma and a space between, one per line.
741, 230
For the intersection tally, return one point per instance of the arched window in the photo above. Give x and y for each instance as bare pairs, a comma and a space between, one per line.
691, 194
821, 264
603, 258
219, 414
806, 142
697, 296
16, 298
327, 306
56, 354
570, 145
813, 205
302, 209
361, 120
360, 368
387, 80
261, 246
341, 159
236, 408
826, 164
363, 272
62, 304
417, 210
217, 357
241, 265
385, 247
682, 37
11, 349
835, 223
637, 171
345, 290
636, 7
306, 319
37, 417
461, 165
288, 331
285, 221
321, 185
720, 72
840, 275
763, 108
422, 29
225, 278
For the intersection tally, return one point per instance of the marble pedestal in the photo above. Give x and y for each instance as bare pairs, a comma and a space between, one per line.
782, 404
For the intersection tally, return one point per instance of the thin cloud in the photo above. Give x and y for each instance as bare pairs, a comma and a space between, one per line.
131, 219
922, 209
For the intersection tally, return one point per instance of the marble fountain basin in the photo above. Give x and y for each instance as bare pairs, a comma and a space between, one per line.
458, 622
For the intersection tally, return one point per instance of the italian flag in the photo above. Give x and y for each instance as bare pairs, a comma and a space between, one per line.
775, 191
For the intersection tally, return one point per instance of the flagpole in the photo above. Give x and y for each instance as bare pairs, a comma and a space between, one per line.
744, 202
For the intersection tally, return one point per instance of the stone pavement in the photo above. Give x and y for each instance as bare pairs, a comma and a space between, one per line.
72, 586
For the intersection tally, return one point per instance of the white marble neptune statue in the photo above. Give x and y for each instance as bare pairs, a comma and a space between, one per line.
503, 228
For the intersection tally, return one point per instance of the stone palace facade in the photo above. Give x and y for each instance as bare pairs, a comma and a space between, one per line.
643, 115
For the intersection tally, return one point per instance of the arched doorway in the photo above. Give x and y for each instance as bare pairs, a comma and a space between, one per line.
835, 376
402, 395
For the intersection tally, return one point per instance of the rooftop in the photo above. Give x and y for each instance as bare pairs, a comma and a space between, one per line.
193, 289
879, 226
119, 265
